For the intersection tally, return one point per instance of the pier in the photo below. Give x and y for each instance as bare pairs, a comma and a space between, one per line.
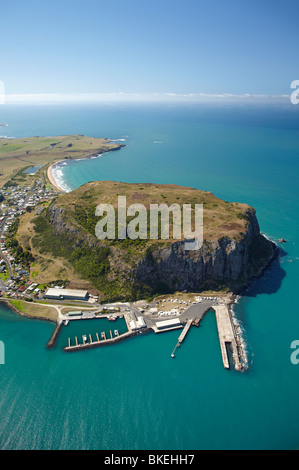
183, 335
185, 330
99, 342
226, 335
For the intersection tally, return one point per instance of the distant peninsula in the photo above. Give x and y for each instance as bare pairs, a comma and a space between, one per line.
17, 155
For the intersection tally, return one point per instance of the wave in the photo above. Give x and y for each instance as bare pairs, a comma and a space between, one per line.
58, 177
239, 333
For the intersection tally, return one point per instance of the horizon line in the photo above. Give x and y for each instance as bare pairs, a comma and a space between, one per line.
117, 97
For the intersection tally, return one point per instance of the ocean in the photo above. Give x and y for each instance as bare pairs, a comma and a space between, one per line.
133, 395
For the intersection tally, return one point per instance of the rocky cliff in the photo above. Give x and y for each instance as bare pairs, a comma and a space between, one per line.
223, 263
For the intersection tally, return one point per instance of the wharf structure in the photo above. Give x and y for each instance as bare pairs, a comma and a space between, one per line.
226, 336
137, 323
134, 326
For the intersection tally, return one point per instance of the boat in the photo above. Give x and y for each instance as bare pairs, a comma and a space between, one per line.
111, 318
84, 338
172, 355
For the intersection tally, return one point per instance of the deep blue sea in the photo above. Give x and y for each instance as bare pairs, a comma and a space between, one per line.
132, 395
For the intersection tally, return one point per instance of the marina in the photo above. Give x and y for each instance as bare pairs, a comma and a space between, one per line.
96, 343
131, 321
104, 337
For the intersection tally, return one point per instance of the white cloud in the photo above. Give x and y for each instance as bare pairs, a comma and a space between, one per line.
54, 98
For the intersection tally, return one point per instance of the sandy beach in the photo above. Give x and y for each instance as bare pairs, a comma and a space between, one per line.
52, 179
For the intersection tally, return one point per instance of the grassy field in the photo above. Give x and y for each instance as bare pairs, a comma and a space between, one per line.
221, 218
19, 154
35, 311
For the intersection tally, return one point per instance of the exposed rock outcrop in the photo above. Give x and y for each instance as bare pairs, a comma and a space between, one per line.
222, 263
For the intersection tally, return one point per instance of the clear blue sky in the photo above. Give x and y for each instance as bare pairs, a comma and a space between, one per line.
142, 46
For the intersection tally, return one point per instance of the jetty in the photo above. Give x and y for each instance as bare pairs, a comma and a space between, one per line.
54, 335
226, 336
183, 335
185, 330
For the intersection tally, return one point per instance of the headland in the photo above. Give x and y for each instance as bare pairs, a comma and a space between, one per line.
50, 238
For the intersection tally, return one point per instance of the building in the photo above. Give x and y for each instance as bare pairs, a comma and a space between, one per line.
173, 322
66, 294
137, 324
75, 313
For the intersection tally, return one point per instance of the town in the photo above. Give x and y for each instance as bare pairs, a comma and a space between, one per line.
14, 202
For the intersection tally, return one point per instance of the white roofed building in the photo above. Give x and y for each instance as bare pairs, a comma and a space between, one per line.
66, 294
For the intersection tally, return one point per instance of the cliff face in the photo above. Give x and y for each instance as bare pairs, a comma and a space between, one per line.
222, 263
64, 225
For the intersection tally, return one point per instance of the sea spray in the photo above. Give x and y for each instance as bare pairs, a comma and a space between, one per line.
239, 332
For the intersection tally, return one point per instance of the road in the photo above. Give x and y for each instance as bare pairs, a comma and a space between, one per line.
193, 311
2, 255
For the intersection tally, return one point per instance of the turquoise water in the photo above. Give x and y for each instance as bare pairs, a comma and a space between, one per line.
132, 395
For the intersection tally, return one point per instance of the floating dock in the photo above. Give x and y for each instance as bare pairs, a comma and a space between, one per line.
226, 335
98, 342
103, 339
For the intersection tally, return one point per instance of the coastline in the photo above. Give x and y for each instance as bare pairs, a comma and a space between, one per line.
51, 177
26, 315
89, 157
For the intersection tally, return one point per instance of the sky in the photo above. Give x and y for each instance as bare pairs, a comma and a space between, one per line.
153, 49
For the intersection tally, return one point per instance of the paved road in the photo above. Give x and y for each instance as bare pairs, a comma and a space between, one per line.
10, 270
194, 311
